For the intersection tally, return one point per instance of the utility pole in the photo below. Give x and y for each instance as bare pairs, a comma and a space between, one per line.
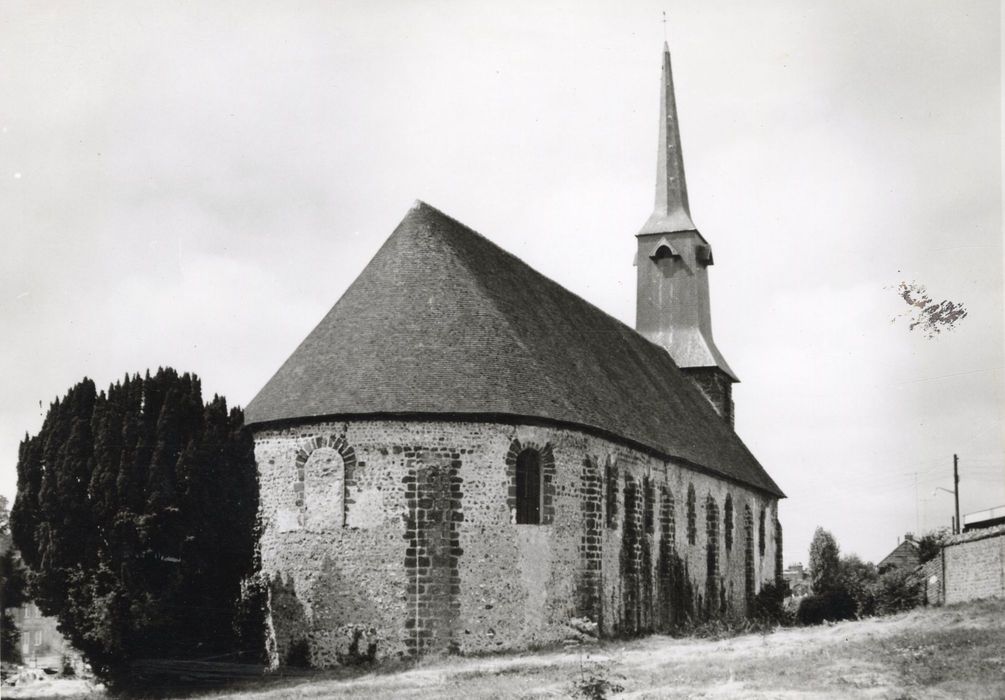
956, 492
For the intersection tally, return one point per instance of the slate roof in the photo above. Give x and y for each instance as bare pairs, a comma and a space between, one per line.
443, 321
907, 553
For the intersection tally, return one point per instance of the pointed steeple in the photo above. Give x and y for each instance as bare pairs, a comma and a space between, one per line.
671, 212
672, 303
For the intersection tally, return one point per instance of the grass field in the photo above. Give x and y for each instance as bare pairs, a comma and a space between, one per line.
950, 652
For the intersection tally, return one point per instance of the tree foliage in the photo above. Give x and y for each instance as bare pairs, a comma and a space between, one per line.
768, 606
13, 585
931, 543
136, 512
835, 582
897, 590
825, 564
931, 316
859, 578
829, 606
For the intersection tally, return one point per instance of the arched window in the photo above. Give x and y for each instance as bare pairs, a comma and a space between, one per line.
727, 529
528, 487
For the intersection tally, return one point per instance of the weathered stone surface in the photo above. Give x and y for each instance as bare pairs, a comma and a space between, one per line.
416, 552
975, 565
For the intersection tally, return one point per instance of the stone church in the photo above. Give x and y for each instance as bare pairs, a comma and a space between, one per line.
465, 457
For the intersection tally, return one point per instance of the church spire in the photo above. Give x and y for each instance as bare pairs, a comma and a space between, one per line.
671, 212
672, 304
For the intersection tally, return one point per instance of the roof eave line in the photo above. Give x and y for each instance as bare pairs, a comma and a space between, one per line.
515, 419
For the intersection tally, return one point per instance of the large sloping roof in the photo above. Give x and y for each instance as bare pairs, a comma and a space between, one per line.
442, 321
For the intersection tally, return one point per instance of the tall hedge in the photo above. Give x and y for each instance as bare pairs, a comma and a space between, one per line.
136, 512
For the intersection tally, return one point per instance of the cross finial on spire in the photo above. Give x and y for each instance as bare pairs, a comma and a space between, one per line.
664, 26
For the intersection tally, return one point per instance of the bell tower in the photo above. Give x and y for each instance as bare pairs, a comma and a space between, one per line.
672, 308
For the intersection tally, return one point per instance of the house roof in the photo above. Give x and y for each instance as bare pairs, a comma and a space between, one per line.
444, 322
905, 553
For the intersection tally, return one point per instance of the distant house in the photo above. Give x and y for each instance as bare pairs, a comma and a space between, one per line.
39, 636
906, 555
798, 579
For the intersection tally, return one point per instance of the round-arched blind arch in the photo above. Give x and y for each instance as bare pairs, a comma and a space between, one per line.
324, 489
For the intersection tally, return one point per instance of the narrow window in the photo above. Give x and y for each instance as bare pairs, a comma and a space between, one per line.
692, 524
648, 504
760, 534
728, 522
778, 550
748, 564
711, 552
612, 496
528, 488
666, 517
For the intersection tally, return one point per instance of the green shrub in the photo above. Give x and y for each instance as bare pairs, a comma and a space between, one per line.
10, 640
593, 683
897, 590
830, 606
768, 606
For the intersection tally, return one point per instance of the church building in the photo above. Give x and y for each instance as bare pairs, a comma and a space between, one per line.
465, 457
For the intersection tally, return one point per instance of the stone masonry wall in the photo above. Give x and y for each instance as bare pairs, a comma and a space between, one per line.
975, 565
399, 539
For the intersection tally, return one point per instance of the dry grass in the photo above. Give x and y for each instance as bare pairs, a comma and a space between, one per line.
952, 652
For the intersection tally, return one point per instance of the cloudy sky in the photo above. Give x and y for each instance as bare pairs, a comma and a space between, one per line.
195, 184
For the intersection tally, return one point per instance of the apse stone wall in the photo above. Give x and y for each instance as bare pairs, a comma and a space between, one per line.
398, 538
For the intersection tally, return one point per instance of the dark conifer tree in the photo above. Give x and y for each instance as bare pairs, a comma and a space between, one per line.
136, 513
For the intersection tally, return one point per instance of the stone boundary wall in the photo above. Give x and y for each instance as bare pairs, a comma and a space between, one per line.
975, 565
398, 539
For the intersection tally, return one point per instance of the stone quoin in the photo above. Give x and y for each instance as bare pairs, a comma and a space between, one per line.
465, 457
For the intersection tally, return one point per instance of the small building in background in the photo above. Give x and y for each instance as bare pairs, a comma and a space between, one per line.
41, 642
905, 555
798, 578
984, 519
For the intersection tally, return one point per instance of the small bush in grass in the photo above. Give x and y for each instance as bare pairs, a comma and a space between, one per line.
829, 606
593, 682
896, 590
768, 606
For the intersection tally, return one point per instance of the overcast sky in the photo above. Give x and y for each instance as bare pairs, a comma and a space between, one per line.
194, 184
